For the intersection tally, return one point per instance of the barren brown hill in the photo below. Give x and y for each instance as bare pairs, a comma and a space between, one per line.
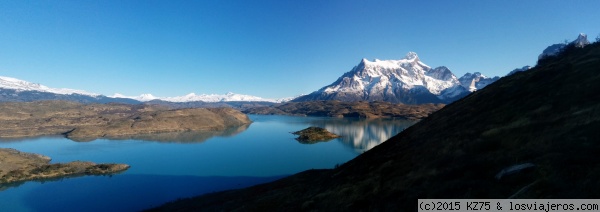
89, 121
533, 134
334, 108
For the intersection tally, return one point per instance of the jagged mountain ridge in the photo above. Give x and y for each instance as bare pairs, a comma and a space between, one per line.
16, 90
552, 50
12, 95
21, 85
517, 70
476, 81
407, 80
192, 97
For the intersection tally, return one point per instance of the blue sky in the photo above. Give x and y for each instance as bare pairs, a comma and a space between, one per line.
273, 48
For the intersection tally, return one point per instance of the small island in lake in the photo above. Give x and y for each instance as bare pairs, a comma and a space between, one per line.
314, 134
18, 166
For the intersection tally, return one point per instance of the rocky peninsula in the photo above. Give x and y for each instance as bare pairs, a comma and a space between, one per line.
18, 166
84, 122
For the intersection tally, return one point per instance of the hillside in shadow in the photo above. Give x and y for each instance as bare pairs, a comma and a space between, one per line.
534, 134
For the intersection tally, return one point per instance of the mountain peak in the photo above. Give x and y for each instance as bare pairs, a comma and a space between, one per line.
441, 73
476, 81
407, 80
147, 96
21, 85
581, 40
411, 56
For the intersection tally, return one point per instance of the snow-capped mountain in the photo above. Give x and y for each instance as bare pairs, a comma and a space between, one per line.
21, 85
192, 97
16, 90
476, 81
401, 81
524, 68
581, 41
554, 49
12, 89
141, 98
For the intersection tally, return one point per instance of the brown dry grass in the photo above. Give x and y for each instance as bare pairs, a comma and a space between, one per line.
363, 109
18, 166
87, 122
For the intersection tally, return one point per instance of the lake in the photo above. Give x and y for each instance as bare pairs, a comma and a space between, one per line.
166, 167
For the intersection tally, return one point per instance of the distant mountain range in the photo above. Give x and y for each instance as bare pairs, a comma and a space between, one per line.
16, 90
407, 80
192, 97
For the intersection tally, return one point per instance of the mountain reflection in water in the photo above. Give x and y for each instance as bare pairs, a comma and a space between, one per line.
364, 134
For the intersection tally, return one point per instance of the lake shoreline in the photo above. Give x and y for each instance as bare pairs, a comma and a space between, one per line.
170, 167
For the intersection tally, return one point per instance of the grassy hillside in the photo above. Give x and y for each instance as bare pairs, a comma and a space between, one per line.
548, 117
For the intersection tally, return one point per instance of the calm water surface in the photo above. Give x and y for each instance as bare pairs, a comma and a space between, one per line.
170, 166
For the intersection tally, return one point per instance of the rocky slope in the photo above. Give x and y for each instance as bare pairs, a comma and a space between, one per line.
361, 109
476, 81
546, 119
18, 166
89, 121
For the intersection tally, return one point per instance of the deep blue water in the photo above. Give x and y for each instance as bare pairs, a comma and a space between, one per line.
171, 166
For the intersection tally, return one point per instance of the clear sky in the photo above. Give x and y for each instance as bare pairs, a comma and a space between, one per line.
272, 49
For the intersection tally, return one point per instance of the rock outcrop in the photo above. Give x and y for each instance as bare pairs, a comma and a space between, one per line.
314, 134
18, 166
